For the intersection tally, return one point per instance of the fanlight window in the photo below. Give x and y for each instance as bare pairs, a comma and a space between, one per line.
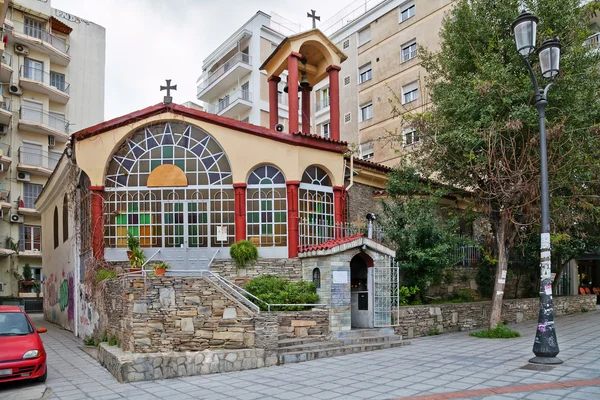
266, 214
194, 209
316, 207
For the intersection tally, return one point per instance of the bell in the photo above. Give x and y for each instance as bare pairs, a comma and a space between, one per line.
285, 89
304, 82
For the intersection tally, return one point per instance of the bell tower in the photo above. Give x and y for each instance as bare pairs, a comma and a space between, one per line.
308, 58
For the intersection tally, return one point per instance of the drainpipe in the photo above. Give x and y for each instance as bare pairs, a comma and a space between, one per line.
351, 173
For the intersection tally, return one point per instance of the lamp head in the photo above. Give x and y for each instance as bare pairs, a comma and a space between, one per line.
525, 31
549, 53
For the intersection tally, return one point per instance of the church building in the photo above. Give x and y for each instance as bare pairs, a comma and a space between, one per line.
189, 184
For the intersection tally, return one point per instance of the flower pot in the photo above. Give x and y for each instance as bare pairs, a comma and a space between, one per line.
130, 255
160, 271
137, 271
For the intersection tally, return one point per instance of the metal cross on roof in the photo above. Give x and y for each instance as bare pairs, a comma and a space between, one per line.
315, 18
168, 99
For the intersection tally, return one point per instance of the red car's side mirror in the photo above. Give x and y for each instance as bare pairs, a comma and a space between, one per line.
42, 330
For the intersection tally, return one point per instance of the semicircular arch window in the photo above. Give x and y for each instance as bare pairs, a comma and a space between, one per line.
316, 214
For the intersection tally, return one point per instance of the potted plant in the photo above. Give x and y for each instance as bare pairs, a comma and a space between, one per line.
243, 253
37, 288
137, 260
27, 275
161, 268
133, 243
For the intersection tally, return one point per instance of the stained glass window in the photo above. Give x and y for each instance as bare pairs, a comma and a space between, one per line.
316, 207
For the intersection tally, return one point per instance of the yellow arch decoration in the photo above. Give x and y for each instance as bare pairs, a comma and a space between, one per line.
167, 175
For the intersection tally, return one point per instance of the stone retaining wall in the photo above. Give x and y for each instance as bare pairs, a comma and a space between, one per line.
290, 268
418, 321
304, 323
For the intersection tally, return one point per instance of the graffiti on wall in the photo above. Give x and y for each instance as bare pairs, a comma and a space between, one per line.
60, 294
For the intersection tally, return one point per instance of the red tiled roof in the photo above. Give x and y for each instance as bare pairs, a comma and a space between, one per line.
373, 165
312, 135
330, 244
297, 139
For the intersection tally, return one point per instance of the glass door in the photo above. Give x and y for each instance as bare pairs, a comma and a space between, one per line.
174, 224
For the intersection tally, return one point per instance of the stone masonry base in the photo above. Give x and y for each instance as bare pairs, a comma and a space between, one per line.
135, 367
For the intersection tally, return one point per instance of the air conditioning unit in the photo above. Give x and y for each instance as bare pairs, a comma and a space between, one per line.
24, 176
15, 89
3, 130
21, 49
16, 218
51, 141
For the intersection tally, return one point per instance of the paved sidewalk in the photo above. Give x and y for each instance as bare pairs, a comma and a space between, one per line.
451, 364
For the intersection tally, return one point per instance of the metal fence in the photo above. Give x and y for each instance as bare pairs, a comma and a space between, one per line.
38, 158
229, 100
317, 231
54, 121
211, 76
54, 80
37, 33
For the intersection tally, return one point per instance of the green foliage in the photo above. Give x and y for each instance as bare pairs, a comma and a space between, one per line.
105, 274
113, 340
464, 278
405, 293
500, 332
138, 259
433, 332
27, 273
103, 338
133, 242
464, 296
275, 290
584, 309
485, 277
449, 276
161, 265
244, 252
89, 341
37, 287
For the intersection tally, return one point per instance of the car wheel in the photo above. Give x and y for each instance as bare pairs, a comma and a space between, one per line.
43, 377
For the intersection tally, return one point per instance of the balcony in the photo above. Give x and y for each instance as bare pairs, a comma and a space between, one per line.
6, 67
42, 41
322, 104
39, 81
5, 111
5, 199
593, 42
37, 121
37, 162
5, 159
226, 75
233, 104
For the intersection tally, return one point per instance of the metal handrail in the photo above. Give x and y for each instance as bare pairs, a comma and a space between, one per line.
322, 104
5, 149
58, 43
229, 100
38, 158
593, 41
207, 78
44, 118
6, 104
6, 59
39, 75
150, 259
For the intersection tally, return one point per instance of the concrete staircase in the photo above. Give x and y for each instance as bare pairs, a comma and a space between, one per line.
294, 350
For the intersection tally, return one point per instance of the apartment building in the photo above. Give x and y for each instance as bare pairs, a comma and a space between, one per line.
231, 84
52, 76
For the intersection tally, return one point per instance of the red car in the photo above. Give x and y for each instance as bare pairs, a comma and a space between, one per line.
22, 353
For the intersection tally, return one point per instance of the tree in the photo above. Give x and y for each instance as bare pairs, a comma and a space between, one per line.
482, 134
425, 239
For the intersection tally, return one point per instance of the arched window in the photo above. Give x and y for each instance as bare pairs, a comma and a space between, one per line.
65, 218
316, 207
317, 277
170, 184
55, 225
266, 207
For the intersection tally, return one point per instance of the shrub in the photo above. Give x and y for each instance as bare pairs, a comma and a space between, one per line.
243, 252
449, 276
463, 296
499, 332
433, 332
275, 290
405, 293
105, 274
27, 274
464, 278
133, 242
89, 341
113, 341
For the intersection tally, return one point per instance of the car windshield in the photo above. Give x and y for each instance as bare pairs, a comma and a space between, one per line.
14, 324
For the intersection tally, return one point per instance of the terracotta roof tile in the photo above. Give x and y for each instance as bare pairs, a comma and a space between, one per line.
312, 135
330, 244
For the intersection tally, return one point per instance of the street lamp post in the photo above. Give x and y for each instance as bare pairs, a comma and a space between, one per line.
545, 346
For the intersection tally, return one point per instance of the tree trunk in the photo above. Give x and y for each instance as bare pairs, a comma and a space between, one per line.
501, 268
560, 266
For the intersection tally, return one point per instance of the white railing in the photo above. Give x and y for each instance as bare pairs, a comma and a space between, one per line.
347, 15
54, 121
284, 25
209, 77
229, 100
37, 33
593, 41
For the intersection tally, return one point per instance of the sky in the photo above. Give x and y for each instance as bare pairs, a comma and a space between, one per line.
148, 41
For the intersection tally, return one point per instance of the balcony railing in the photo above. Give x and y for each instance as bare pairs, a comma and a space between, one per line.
229, 100
38, 75
38, 158
4, 196
593, 41
322, 104
6, 59
6, 104
36, 33
40, 117
211, 76
5, 149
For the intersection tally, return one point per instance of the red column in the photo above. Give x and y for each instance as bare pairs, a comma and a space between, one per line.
273, 101
240, 211
293, 90
339, 205
306, 109
292, 208
334, 101
97, 221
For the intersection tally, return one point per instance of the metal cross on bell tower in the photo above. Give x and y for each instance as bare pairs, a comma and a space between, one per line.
313, 14
168, 99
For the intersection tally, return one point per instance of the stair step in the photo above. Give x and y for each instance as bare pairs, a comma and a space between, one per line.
361, 333
316, 346
371, 339
300, 356
299, 341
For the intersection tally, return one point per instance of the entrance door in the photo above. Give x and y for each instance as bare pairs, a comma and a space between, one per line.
186, 234
361, 306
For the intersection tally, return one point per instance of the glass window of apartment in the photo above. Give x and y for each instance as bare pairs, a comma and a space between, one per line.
367, 150
409, 51
325, 132
407, 11
34, 27
30, 194
30, 238
366, 112
57, 80
324, 99
364, 36
31, 154
365, 73
410, 92
409, 137
33, 69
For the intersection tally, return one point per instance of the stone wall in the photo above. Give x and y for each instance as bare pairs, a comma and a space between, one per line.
183, 314
304, 323
361, 202
290, 268
418, 321
101, 309
455, 279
